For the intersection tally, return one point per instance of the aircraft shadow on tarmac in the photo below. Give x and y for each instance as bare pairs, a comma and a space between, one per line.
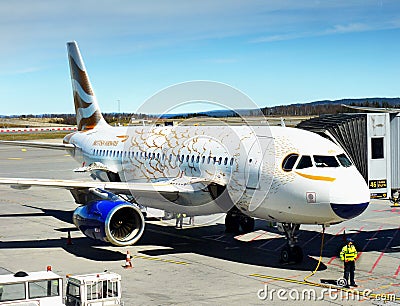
212, 241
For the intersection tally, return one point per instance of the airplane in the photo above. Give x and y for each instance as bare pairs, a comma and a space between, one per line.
281, 174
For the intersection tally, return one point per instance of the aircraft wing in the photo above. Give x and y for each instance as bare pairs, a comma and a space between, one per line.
167, 188
42, 145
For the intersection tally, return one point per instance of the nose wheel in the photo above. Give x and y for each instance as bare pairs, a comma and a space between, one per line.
291, 253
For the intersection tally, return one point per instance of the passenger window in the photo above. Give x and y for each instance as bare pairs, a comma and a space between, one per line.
203, 159
231, 163
198, 159
220, 161
305, 162
344, 160
226, 161
192, 159
322, 161
289, 161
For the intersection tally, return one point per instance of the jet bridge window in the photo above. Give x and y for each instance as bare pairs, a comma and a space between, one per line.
322, 161
344, 160
289, 161
377, 148
305, 162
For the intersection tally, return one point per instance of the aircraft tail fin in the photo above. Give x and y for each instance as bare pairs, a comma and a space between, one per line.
88, 114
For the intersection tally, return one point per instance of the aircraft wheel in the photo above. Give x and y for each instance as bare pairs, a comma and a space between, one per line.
286, 255
291, 254
247, 224
231, 223
297, 254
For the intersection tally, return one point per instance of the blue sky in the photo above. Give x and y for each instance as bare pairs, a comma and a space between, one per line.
277, 52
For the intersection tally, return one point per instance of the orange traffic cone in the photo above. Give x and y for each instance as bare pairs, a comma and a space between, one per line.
69, 239
128, 262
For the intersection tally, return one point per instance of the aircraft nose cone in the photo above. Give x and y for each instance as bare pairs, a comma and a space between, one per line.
349, 195
349, 211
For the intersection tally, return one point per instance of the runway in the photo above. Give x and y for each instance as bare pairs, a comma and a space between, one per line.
195, 265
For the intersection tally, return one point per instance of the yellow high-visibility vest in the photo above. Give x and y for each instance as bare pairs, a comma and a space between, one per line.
348, 253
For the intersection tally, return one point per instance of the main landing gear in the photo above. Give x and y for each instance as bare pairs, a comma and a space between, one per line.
291, 253
235, 219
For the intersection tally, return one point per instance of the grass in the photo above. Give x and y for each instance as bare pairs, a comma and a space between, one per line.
33, 136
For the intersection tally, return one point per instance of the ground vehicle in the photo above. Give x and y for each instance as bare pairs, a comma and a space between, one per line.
99, 289
33, 289
45, 289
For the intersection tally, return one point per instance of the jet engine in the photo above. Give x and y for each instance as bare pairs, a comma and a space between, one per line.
108, 218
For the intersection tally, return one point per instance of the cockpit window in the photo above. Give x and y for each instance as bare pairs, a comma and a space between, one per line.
289, 161
325, 161
305, 162
344, 160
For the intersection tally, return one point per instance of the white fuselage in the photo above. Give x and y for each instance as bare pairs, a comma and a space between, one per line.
320, 188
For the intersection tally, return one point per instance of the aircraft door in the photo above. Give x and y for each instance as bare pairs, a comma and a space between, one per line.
256, 159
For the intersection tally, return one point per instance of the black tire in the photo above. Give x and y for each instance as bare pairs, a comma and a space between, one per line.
291, 254
286, 255
231, 223
297, 254
247, 224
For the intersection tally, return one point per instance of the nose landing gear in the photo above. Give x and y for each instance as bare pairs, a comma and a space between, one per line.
291, 253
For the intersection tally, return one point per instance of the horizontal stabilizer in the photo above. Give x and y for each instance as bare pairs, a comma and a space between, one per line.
42, 145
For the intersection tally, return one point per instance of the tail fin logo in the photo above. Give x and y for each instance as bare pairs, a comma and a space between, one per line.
88, 114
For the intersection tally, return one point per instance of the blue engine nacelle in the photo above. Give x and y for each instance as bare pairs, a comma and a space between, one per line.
110, 219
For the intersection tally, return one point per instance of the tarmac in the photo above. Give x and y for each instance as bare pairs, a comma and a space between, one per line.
197, 265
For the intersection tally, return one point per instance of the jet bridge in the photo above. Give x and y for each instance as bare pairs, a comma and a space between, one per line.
371, 140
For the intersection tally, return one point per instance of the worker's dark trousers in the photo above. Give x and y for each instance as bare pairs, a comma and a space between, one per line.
349, 268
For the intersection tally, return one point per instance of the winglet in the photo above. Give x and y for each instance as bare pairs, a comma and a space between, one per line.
88, 114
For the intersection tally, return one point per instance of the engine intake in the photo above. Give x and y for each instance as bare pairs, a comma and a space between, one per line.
112, 220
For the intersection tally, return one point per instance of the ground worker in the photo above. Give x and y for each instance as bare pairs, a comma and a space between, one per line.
349, 255
179, 220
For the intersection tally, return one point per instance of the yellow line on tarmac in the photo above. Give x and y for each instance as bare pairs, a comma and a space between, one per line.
14, 158
161, 259
288, 280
